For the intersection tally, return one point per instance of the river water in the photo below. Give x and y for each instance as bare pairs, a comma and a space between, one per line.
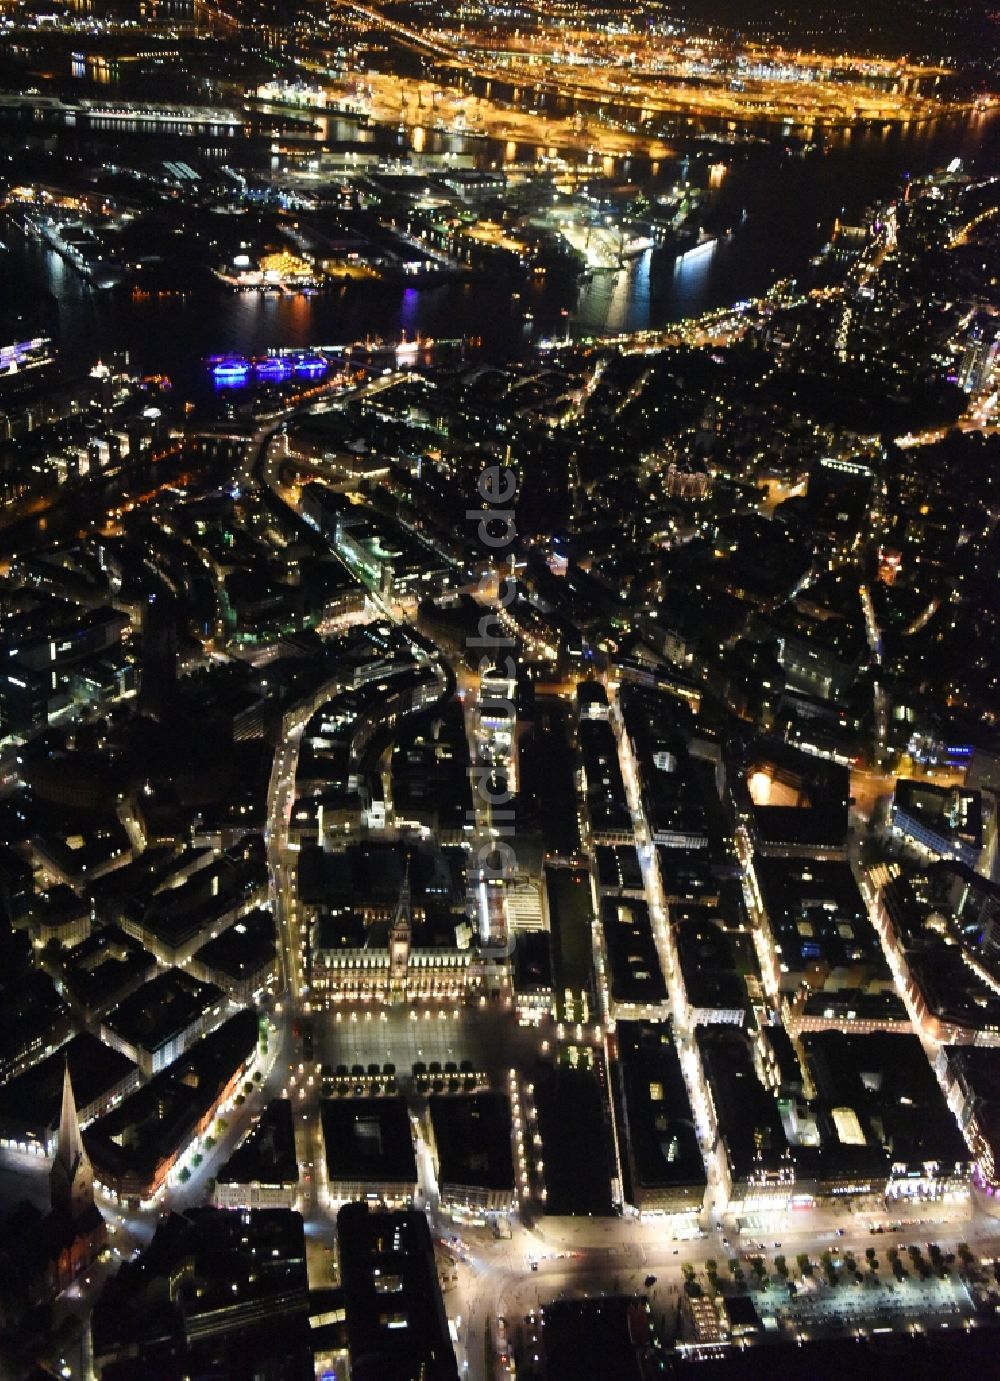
791, 201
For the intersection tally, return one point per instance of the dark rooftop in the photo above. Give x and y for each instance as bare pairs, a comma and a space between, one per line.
798, 802
850, 1005
134, 1139
473, 1137
633, 960
708, 966
162, 1008
747, 1114
886, 1081
618, 868
218, 1287
659, 1121
32, 1100
569, 904
100, 969
952, 813
533, 962
368, 1139
31, 1012
243, 949
818, 917
597, 1339
267, 1154
573, 1122
397, 1328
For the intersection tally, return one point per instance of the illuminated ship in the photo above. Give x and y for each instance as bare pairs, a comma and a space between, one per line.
230, 371
273, 369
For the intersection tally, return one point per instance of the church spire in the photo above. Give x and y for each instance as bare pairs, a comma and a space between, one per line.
70, 1140
71, 1179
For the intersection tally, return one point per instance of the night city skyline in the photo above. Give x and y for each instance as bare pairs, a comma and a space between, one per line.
499, 690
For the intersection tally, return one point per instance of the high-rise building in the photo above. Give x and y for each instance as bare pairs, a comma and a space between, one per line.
981, 354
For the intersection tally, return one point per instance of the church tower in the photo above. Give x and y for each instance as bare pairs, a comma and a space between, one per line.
71, 1179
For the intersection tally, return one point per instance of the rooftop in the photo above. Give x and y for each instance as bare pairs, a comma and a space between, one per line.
473, 1137
885, 1080
568, 895
708, 966
210, 1278
266, 1155
32, 1100
633, 960
162, 1009
818, 917
99, 969
797, 801
618, 868
243, 950
132, 1142
396, 1323
747, 1114
956, 815
573, 1123
659, 1123
595, 1339
368, 1139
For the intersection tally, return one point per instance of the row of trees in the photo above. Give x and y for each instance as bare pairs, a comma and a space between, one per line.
834, 1269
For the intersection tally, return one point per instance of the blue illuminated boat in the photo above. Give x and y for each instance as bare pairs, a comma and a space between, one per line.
230, 371
273, 369
311, 366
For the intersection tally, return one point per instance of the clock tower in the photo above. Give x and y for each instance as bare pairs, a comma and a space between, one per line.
401, 937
